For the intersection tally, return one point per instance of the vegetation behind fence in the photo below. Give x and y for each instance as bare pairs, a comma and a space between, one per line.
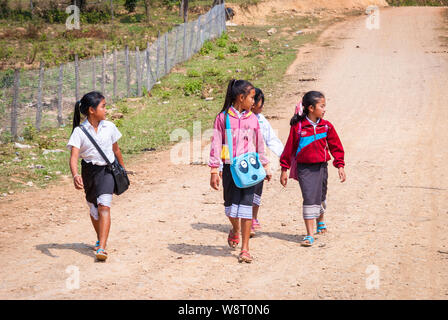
45, 97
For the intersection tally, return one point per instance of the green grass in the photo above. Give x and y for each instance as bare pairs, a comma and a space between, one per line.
417, 2
148, 121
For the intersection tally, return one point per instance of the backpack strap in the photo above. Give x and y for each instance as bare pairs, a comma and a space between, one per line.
95, 144
229, 136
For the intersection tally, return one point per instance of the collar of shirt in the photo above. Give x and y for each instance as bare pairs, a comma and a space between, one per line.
238, 113
313, 123
89, 126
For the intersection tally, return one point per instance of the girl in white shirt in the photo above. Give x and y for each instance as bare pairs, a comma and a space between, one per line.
273, 143
96, 179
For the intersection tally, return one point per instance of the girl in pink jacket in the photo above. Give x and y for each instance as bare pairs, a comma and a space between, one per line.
247, 137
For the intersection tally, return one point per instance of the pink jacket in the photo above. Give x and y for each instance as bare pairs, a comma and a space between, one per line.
246, 134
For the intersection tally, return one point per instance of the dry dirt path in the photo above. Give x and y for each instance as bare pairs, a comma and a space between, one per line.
387, 98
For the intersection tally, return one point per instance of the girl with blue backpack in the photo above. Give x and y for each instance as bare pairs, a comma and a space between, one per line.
238, 143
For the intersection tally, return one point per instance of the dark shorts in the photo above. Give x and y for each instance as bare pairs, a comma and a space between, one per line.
257, 193
313, 180
97, 180
237, 201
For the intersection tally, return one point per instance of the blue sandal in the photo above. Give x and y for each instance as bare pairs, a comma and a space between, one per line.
310, 240
101, 254
321, 226
96, 246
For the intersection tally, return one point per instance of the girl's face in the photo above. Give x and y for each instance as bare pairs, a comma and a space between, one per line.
100, 112
246, 102
319, 110
257, 108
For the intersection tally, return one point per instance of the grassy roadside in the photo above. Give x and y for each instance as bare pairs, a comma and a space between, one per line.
433, 3
193, 91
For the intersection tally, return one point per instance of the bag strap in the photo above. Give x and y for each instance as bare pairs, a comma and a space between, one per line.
95, 144
229, 137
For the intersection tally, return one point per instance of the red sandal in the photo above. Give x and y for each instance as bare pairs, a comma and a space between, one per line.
233, 239
245, 257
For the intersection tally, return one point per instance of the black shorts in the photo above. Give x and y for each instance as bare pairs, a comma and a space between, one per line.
237, 201
313, 179
97, 180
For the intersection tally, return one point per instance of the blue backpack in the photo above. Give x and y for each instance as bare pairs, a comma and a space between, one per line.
246, 169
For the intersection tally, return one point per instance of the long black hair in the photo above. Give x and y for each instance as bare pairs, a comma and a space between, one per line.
311, 98
259, 95
234, 89
91, 99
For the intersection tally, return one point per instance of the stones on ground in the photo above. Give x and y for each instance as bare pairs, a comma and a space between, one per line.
52, 151
272, 31
22, 146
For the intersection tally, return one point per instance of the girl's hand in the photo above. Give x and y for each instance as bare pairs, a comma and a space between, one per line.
284, 178
341, 172
268, 176
214, 181
77, 180
220, 174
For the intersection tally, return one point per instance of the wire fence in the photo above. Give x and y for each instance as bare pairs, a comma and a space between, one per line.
45, 98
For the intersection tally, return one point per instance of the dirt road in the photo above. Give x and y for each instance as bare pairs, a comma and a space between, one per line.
386, 95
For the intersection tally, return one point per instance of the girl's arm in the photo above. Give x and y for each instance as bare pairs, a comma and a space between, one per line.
215, 152
272, 141
262, 151
335, 146
289, 150
118, 154
77, 179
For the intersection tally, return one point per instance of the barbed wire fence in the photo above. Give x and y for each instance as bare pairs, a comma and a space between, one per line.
45, 98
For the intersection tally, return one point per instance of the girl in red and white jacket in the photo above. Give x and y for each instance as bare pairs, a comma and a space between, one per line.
310, 139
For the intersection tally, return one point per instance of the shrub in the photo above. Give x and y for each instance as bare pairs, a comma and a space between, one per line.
193, 73
233, 48
220, 56
206, 48
193, 87
221, 42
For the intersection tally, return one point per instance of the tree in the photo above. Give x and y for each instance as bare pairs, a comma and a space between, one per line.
147, 10
130, 5
185, 10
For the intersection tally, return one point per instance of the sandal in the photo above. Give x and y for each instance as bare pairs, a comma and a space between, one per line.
310, 242
96, 246
245, 257
255, 224
321, 226
101, 254
233, 239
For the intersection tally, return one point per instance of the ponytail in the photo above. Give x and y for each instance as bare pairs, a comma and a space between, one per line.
234, 89
311, 98
76, 115
91, 99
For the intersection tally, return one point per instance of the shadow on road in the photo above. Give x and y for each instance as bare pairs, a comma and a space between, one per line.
78, 247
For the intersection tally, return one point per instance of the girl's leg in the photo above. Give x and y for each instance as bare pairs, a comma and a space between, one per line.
235, 224
245, 231
321, 219
96, 226
255, 209
309, 224
104, 225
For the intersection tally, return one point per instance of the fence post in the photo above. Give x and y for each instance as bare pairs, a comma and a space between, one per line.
166, 53
103, 72
158, 55
61, 79
128, 71
184, 42
76, 78
138, 67
93, 73
190, 43
14, 104
115, 73
174, 60
148, 68
198, 35
39, 96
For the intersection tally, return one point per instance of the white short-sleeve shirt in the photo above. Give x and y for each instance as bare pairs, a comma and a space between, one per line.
106, 136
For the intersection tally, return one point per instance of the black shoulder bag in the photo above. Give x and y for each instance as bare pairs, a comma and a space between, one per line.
120, 175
